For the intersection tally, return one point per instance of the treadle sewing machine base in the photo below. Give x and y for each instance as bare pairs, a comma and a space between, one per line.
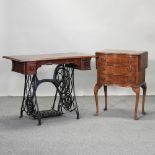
63, 80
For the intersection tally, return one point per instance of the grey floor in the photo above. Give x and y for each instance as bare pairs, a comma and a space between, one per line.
113, 132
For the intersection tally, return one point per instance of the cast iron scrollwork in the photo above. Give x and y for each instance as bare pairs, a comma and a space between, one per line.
64, 77
63, 80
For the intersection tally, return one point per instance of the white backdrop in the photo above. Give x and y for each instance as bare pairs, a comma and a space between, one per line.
49, 26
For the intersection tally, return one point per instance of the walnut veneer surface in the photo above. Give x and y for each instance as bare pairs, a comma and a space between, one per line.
41, 57
122, 68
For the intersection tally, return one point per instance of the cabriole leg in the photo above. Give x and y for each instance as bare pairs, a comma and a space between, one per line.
105, 94
137, 91
96, 88
144, 87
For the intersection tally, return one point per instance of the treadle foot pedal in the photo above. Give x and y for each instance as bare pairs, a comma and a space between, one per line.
50, 113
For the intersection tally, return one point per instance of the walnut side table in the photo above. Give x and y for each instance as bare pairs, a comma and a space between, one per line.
123, 68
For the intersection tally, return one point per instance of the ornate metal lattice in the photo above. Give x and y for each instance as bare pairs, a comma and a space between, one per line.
63, 80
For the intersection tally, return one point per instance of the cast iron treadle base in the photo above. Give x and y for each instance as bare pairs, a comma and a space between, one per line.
65, 99
50, 113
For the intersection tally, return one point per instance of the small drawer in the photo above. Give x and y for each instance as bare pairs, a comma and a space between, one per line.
18, 67
83, 64
116, 69
116, 59
117, 79
30, 68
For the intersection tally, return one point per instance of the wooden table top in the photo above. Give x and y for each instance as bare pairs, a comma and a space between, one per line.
42, 57
129, 52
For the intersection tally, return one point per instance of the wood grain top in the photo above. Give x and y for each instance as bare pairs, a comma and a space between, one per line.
42, 57
128, 52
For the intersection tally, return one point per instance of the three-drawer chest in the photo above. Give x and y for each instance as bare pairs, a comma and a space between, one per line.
123, 68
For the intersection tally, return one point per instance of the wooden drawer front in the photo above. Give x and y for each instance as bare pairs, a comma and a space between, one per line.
114, 69
83, 64
24, 68
18, 67
79, 63
31, 68
116, 59
117, 79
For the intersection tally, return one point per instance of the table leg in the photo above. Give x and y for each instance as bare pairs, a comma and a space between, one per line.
29, 103
24, 94
64, 77
96, 88
105, 94
144, 87
137, 91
